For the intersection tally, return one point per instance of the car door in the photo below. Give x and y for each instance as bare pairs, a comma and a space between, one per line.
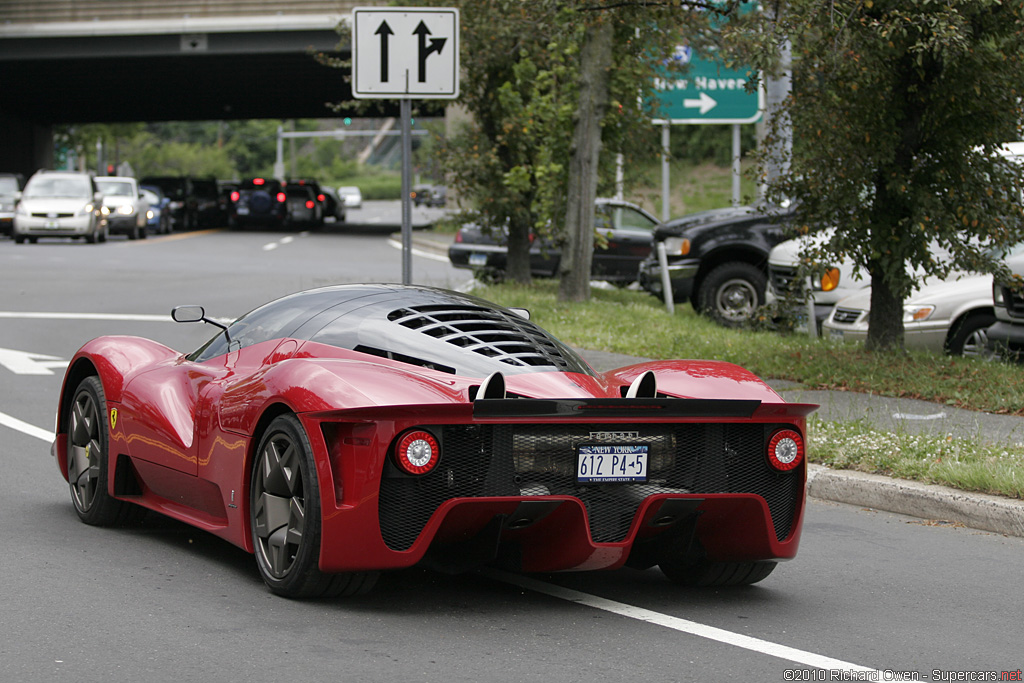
160, 409
624, 236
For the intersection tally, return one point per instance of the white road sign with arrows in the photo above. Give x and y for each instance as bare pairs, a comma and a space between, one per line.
405, 52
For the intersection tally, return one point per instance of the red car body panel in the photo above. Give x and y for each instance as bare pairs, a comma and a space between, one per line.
187, 431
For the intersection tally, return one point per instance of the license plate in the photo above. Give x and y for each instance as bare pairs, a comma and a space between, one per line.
52, 225
243, 211
478, 259
611, 463
834, 333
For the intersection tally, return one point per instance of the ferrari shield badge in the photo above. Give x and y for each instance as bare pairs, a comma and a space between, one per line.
113, 418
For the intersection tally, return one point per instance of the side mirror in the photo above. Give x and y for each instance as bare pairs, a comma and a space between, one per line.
188, 314
196, 314
521, 312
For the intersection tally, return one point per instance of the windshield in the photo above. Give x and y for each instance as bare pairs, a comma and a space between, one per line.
115, 187
59, 186
8, 185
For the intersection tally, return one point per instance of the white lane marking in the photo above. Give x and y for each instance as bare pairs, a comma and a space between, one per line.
684, 625
270, 247
911, 416
287, 240
417, 252
28, 363
25, 428
39, 315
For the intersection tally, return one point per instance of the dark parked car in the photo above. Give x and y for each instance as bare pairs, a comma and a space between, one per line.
258, 201
209, 211
717, 260
303, 208
183, 205
329, 204
624, 229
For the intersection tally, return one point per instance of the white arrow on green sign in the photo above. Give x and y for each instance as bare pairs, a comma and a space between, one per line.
708, 93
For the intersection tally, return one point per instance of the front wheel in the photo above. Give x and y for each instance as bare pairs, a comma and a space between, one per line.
284, 505
89, 458
732, 293
969, 336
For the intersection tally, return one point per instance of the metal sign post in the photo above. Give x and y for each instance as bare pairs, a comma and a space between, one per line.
401, 53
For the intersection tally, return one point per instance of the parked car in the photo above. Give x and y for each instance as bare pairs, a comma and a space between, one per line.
351, 196
829, 283
10, 186
624, 241
344, 431
258, 202
60, 204
949, 316
184, 207
717, 260
328, 202
303, 208
209, 210
338, 210
438, 196
1006, 336
420, 194
127, 208
159, 214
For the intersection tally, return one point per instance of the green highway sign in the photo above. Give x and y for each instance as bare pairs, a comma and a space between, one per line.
708, 93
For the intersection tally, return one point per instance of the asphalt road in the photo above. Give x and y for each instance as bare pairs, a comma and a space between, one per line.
869, 592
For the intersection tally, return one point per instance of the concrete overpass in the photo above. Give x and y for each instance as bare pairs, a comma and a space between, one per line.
104, 61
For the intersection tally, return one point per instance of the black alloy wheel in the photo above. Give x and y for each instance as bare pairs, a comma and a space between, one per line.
284, 508
88, 458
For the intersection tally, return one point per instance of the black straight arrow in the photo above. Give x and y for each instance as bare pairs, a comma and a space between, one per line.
436, 44
384, 31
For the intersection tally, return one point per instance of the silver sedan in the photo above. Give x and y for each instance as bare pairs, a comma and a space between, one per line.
949, 316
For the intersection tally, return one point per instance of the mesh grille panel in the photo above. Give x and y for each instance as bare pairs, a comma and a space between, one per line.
486, 331
540, 460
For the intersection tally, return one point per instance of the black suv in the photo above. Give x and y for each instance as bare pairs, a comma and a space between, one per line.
717, 260
258, 201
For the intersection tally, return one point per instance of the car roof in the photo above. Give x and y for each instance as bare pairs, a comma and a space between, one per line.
425, 326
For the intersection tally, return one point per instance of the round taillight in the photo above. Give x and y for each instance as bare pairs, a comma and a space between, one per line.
310, 203
235, 195
321, 198
417, 452
785, 450
281, 197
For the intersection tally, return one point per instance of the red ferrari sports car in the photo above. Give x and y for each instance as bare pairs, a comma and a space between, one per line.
344, 431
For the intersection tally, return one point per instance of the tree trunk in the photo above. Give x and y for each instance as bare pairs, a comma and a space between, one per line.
517, 267
885, 331
578, 249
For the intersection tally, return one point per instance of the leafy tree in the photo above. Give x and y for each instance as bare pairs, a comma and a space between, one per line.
547, 84
507, 160
898, 109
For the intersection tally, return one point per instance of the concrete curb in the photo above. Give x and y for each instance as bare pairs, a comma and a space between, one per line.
925, 501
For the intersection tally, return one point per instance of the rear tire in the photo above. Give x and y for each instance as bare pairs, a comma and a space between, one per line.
708, 574
284, 509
